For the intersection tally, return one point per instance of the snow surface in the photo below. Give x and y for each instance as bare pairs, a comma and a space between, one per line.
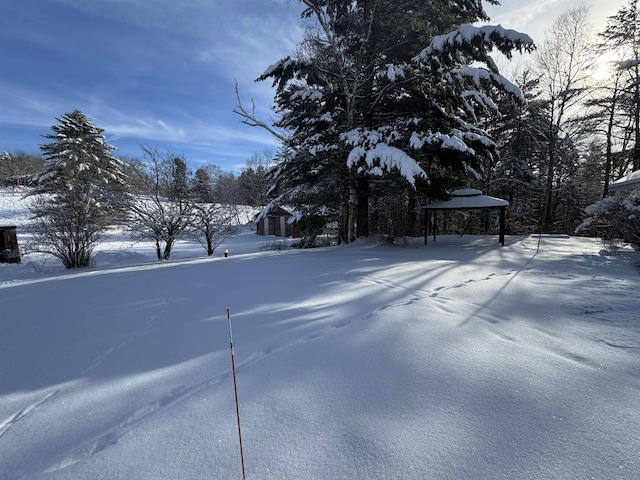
628, 182
457, 360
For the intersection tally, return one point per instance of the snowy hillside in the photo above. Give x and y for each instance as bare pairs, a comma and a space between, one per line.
457, 360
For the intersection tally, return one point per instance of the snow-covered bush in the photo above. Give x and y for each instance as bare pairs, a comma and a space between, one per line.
614, 217
275, 245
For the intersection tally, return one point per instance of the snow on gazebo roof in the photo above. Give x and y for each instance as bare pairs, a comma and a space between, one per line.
626, 183
467, 199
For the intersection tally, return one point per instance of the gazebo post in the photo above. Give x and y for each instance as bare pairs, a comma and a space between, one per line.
502, 224
435, 220
426, 226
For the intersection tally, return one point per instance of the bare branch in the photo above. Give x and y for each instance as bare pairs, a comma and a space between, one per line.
249, 118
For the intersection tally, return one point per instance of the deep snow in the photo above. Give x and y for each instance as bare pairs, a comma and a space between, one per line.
458, 360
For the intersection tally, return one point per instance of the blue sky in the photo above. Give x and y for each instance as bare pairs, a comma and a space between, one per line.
162, 72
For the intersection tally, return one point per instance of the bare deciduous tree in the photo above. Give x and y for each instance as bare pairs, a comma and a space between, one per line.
163, 213
19, 167
563, 61
211, 224
65, 231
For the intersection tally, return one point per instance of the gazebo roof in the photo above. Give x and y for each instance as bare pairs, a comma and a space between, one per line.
467, 199
629, 182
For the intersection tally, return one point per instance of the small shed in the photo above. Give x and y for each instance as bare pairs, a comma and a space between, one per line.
629, 182
277, 222
465, 199
9, 252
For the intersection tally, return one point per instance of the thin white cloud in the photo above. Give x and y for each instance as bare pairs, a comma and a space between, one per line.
182, 132
223, 41
22, 106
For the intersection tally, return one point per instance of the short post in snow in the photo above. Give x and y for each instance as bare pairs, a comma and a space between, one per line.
235, 388
226, 253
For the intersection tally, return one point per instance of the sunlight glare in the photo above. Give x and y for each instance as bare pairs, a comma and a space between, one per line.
604, 65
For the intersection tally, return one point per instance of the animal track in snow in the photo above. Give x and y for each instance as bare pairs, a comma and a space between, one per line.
112, 436
101, 358
394, 286
16, 417
491, 276
104, 356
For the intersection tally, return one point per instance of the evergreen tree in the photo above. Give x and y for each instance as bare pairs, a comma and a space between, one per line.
514, 175
80, 192
252, 182
590, 175
364, 102
226, 189
79, 162
202, 186
179, 178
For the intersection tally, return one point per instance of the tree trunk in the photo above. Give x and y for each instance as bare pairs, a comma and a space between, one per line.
546, 220
412, 216
343, 221
362, 215
636, 101
609, 155
548, 201
167, 248
351, 209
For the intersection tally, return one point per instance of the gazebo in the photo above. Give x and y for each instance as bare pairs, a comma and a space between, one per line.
465, 199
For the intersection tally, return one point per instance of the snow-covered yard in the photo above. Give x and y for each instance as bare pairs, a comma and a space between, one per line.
458, 360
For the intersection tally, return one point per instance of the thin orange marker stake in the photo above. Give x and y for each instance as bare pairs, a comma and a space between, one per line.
235, 389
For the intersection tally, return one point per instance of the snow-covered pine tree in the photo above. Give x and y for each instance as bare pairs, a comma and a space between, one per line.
361, 101
79, 193
252, 185
513, 175
202, 186
179, 178
79, 158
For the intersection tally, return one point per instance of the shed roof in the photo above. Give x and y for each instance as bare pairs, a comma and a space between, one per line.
278, 211
626, 183
467, 199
